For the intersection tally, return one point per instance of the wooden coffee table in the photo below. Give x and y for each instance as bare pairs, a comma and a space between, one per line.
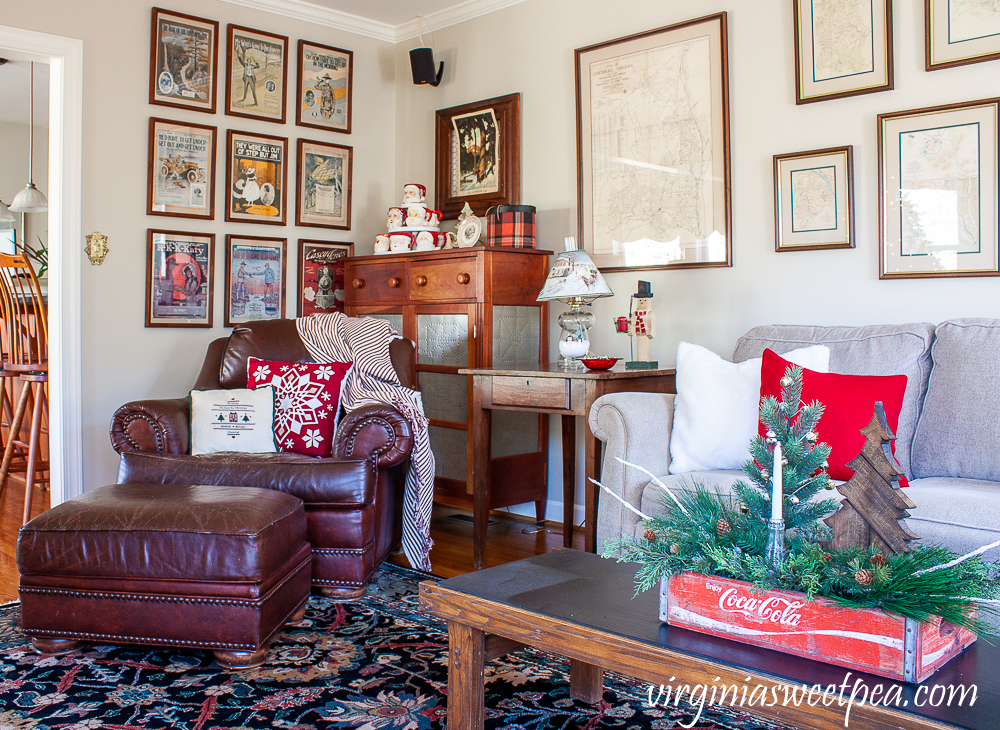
580, 606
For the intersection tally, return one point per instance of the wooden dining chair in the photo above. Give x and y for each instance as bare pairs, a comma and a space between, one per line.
26, 340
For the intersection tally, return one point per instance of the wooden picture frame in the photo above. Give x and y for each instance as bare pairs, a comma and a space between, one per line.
180, 278
957, 33
256, 178
324, 96
256, 65
814, 200
323, 184
176, 38
477, 155
180, 178
934, 226
843, 50
251, 292
312, 294
662, 201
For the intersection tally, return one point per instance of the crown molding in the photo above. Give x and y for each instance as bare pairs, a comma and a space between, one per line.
452, 16
312, 13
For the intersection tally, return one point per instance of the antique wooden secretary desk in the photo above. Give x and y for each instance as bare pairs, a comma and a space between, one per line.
466, 308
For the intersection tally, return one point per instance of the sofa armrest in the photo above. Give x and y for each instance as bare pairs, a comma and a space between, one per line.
634, 427
375, 431
161, 426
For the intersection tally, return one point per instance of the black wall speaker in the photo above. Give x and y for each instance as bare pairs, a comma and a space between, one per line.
422, 66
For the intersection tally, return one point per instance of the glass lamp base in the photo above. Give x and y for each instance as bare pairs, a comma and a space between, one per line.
574, 341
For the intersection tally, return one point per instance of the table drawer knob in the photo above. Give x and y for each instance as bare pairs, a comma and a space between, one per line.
394, 282
462, 278
421, 281
358, 283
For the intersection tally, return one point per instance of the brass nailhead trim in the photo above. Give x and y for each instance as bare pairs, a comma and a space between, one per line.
154, 424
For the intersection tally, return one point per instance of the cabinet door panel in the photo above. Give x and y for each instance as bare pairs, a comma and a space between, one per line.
445, 396
515, 335
443, 339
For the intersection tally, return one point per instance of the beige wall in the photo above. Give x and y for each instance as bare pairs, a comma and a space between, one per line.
528, 48
122, 360
14, 174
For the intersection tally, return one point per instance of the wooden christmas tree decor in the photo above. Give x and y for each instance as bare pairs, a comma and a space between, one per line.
874, 506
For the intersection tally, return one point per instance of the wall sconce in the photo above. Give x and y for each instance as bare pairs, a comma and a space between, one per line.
97, 248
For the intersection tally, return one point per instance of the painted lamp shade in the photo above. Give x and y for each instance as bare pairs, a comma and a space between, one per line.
574, 274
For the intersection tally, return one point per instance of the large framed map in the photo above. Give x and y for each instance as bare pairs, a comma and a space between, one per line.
814, 200
653, 148
938, 182
957, 32
842, 48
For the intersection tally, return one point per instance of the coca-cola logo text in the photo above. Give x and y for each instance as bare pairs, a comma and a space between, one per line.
773, 609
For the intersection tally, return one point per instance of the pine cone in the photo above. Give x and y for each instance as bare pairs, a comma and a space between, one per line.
649, 535
864, 577
877, 560
674, 548
722, 527
827, 558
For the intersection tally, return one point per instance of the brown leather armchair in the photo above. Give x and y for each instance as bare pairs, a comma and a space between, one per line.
353, 501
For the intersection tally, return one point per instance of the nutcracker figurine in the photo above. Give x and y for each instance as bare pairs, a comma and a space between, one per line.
641, 326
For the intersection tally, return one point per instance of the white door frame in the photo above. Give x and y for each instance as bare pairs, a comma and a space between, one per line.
65, 59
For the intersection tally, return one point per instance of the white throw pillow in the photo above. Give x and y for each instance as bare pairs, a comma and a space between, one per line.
233, 420
718, 405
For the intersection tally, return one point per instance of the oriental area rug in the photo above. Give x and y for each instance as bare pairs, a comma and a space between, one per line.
373, 664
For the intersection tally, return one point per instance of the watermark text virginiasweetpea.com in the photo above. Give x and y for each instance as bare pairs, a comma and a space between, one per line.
848, 694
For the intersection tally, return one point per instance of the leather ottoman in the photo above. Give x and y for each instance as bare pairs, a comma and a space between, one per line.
207, 567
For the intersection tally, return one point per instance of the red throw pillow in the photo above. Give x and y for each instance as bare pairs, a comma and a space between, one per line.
850, 403
307, 401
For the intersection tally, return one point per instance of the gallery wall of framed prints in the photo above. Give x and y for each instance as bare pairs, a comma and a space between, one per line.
192, 63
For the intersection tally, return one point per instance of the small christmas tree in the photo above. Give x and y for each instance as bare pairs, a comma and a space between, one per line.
874, 505
803, 472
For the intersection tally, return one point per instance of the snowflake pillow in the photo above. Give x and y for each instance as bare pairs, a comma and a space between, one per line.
307, 401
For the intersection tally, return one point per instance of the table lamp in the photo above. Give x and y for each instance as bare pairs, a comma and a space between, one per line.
574, 280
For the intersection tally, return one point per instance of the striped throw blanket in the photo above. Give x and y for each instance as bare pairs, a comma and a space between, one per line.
365, 342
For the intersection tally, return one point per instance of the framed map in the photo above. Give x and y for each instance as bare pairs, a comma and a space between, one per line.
957, 32
181, 169
842, 48
256, 74
814, 200
182, 64
653, 153
938, 181
180, 276
477, 155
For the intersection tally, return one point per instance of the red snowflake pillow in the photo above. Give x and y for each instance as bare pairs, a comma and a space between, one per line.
307, 401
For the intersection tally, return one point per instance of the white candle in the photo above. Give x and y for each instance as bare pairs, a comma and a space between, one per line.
776, 492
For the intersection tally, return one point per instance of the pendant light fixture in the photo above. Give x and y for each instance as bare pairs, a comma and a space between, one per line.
31, 199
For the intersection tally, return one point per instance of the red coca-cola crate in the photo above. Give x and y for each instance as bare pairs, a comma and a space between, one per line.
864, 639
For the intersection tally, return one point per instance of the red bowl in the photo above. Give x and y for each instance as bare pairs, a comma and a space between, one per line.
600, 363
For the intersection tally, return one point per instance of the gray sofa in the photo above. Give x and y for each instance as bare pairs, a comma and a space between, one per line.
948, 440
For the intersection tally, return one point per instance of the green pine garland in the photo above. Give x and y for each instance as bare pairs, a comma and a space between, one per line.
713, 533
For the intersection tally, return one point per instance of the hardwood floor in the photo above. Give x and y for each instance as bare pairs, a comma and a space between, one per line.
11, 513
511, 538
